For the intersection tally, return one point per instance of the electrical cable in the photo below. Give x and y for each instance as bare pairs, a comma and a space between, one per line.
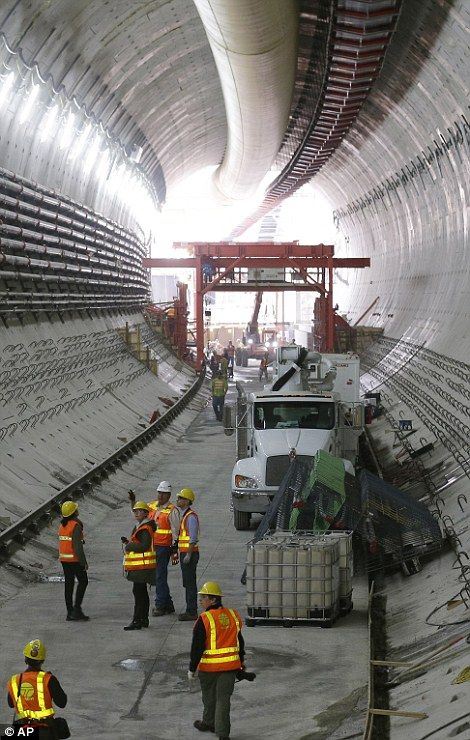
446, 624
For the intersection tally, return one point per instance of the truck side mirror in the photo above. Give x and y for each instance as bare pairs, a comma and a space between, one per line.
228, 419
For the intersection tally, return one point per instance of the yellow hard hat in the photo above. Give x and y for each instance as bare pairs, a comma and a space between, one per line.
211, 588
140, 506
35, 649
68, 508
187, 493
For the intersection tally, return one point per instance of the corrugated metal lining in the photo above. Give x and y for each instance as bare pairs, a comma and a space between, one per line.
143, 68
359, 35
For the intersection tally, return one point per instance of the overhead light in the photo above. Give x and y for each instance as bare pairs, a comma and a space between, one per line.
28, 104
50, 121
7, 84
80, 141
92, 154
67, 133
136, 153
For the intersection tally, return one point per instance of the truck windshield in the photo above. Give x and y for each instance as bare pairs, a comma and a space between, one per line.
294, 414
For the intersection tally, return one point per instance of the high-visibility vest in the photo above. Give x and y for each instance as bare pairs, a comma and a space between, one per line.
222, 652
219, 387
66, 552
183, 539
34, 701
163, 536
140, 560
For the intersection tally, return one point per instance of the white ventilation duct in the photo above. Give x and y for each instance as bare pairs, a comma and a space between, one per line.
254, 43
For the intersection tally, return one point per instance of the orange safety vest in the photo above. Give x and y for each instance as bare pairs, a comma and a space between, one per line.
163, 535
222, 648
34, 700
66, 552
183, 539
140, 560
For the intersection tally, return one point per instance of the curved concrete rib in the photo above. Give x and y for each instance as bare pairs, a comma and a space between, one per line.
254, 43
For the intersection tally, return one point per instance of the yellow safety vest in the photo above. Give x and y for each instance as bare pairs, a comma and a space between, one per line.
34, 700
222, 652
140, 560
183, 539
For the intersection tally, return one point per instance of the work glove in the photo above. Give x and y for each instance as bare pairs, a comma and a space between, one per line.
186, 559
124, 540
191, 676
131, 496
175, 558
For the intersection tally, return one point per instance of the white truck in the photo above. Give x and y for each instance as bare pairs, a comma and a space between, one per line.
312, 404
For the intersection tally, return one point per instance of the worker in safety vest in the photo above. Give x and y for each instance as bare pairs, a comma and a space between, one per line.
231, 358
72, 557
188, 551
218, 651
139, 564
167, 518
219, 389
32, 693
263, 367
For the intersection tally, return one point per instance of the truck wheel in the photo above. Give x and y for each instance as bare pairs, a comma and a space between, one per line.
244, 358
238, 357
241, 519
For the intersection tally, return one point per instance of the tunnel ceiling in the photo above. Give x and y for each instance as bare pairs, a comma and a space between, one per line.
144, 69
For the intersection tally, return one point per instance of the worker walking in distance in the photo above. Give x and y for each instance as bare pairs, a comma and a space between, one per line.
217, 651
74, 563
139, 564
167, 519
33, 692
188, 552
219, 390
263, 367
231, 358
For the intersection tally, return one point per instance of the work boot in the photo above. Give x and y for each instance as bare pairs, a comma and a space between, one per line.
144, 622
159, 611
202, 726
76, 615
187, 617
134, 625
170, 609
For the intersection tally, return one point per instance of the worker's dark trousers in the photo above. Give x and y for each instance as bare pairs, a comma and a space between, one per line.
217, 688
141, 602
162, 592
218, 406
74, 571
188, 571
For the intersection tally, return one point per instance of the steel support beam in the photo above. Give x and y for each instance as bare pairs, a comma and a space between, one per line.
226, 256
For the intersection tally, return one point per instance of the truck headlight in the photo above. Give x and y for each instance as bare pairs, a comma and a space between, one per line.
241, 481
250, 341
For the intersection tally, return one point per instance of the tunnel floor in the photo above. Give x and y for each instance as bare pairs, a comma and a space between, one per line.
310, 681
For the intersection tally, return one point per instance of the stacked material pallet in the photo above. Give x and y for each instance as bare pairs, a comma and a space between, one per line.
327, 471
291, 578
322, 495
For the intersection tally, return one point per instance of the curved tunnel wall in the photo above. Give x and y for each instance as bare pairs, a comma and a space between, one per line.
400, 184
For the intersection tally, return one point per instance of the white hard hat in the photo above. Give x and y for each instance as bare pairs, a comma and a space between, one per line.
164, 487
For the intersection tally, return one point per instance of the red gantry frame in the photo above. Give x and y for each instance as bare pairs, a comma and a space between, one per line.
219, 266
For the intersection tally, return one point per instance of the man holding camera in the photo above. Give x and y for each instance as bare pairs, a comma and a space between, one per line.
218, 652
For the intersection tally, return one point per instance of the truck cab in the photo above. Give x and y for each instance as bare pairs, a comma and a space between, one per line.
273, 425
